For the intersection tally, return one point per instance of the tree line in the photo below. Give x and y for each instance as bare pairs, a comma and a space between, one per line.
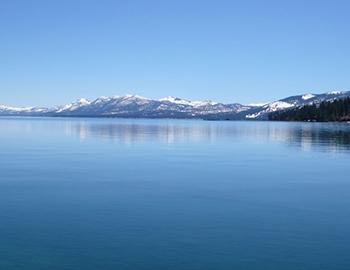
327, 111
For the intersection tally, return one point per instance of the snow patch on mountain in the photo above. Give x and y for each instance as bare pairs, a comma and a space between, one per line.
22, 110
277, 105
271, 107
307, 96
175, 100
180, 101
130, 96
253, 115
335, 93
75, 105
15, 109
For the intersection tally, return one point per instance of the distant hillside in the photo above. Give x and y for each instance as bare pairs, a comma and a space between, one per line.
328, 111
171, 107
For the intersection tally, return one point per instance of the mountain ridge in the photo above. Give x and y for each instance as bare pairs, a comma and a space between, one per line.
171, 107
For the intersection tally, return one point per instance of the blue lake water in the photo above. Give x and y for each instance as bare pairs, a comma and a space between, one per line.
173, 194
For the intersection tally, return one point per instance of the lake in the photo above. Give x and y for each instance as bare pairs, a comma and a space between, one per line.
79, 193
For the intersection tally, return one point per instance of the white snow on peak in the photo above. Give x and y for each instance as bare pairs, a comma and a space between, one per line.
181, 101
103, 99
129, 96
307, 96
16, 109
277, 105
271, 107
81, 102
203, 103
133, 99
335, 92
24, 109
176, 100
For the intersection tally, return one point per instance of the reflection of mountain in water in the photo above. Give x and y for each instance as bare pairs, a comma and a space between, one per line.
326, 137
129, 133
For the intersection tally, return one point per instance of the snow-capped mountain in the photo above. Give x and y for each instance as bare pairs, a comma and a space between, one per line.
137, 106
175, 100
73, 106
30, 111
131, 106
293, 102
170, 107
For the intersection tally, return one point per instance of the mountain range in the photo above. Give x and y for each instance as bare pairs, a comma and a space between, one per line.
170, 107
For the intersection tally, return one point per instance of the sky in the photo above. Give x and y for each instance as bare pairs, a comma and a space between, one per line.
54, 52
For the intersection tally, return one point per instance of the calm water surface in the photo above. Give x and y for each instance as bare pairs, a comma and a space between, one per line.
168, 194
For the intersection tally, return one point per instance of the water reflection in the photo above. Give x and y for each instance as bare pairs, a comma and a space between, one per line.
141, 132
306, 136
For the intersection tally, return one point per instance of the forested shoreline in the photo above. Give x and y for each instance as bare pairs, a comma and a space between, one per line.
329, 111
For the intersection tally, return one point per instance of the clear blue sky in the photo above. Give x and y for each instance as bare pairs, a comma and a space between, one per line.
53, 52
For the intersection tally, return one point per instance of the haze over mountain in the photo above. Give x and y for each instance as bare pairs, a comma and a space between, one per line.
170, 107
